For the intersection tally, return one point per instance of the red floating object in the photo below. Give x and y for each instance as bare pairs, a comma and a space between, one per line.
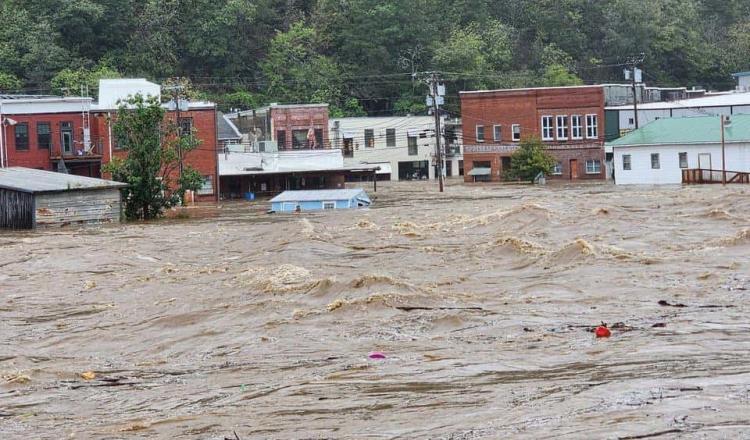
602, 332
377, 355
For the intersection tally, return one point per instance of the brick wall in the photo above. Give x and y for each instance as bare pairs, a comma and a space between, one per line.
35, 157
525, 107
299, 118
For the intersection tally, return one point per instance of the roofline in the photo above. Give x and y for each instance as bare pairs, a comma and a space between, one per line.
113, 185
526, 89
47, 99
322, 170
747, 141
739, 74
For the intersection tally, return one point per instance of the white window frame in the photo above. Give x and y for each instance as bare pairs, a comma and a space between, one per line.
658, 161
561, 130
576, 126
548, 128
679, 159
332, 205
513, 132
476, 133
630, 162
207, 188
495, 136
594, 165
592, 130
557, 169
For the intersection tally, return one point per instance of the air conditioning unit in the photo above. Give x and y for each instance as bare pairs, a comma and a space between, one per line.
268, 147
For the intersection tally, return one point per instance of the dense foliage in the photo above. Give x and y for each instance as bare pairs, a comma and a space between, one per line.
151, 167
530, 159
360, 54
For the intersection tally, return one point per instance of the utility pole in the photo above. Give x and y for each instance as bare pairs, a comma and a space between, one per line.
633, 63
724, 122
176, 93
436, 111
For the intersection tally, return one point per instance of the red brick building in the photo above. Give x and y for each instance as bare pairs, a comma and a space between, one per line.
74, 134
569, 120
288, 126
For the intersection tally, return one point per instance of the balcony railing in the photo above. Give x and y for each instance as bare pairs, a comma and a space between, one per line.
79, 151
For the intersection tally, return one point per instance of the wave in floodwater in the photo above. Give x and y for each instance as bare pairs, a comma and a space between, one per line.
478, 305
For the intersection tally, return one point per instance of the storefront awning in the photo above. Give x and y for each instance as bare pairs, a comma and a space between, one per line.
480, 171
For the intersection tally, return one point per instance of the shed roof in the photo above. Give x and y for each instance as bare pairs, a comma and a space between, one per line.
319, 195
694, 130
33, 181
739, 74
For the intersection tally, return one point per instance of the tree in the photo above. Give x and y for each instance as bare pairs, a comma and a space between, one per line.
153, 150
9, 82
68, 82
530, 159
557, 75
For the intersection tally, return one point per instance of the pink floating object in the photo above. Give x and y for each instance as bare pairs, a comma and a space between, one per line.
377, 355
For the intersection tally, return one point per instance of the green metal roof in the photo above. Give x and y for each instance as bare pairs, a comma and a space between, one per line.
695, 130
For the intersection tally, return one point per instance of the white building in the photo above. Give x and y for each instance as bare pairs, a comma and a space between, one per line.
743, 81
662, 151
402, 146
621, 119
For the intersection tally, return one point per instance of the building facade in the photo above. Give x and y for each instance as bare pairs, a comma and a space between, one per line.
663, 151
74, 134
283, 127
568, 120
402, 146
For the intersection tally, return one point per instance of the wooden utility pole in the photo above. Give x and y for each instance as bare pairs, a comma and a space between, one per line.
436, 112
634, 62
176, 94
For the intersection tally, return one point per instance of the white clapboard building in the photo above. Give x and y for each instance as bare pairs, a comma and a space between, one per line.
684, 150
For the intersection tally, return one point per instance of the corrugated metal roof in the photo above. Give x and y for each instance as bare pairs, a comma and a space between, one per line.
39, 181
322, 195
715, 100
695, 130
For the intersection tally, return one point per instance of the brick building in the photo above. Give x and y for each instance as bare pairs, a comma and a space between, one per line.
74, 135
284, 127
569, 120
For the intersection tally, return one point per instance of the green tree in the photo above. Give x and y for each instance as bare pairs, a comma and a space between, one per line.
9, 82
153, 149
68, 82
558, 75
530, 159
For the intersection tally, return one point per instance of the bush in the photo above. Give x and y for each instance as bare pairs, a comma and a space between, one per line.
530, 159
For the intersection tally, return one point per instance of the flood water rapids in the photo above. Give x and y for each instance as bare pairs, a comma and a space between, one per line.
483, 299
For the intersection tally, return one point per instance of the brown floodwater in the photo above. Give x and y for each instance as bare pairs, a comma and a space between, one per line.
483, 300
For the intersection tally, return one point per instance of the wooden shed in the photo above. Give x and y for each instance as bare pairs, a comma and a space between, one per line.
32, 198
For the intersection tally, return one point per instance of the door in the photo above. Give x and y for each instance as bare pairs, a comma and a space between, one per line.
573, 169
704, 161
448, 168
66, 132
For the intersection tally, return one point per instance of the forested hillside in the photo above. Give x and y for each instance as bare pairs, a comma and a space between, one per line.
359, 54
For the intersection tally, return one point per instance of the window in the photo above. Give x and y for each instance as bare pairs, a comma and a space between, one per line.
390, 137
281, 139
329, 205
413, 148
548, 131
516, 128
576, 127
626, 164
557, 169
43, 136
562, 127
460, 167
299, 139
631, 121
319, 138
593, 166
66, 136
22, 136
683, 160
655, 165
592, 127
186, 126
208, 186
480, 133
369, 138
497, 133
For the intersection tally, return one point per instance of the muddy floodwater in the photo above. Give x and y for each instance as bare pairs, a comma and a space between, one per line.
483, 301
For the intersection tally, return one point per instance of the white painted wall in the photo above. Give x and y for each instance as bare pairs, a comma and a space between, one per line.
743, 84
236, 163
381, 153
641, 173
113, 90
650, 115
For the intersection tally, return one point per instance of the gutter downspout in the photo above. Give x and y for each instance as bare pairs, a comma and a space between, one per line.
109, 133
216, 155
2, 139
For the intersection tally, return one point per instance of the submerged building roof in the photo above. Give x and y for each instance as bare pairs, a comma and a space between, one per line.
227, 129
33, 181
319, 195
693, 130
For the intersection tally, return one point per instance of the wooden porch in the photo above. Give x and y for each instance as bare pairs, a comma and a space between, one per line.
704, 176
